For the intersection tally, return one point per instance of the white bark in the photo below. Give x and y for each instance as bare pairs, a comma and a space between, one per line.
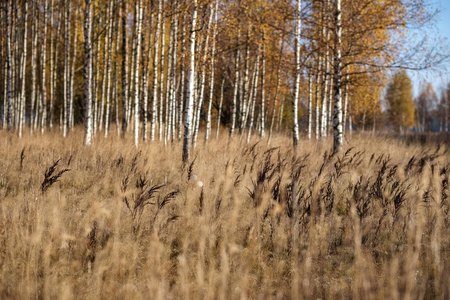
211, 82
136, 77
325, 92
310, 96
43, 66
173, 80
8, 65
246, 83
124, 68
105, 70
190, 88
88, 71
108, 68
317, 99
337, 120
236, 86
72, 78
155, 73
66, 67
182, 80
53, 67
161, 73
24, 63
298, 25
168, 115
263, 87
33, 73
130, 108
254, 95
115, 98
96, 84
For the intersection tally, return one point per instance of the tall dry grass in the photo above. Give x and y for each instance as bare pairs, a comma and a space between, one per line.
113, 222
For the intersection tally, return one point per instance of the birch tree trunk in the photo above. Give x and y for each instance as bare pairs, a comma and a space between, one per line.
96, 81
33, 72
182, 78
66, 67
168, 123
108, 68
124, 68
8, 65
337, 118
325, 92
130, 108
317, 99
136, 77
161, 73
310, 96
298, 25
211, 83
53, 67
254, 96
330, 96
236, 87
246, 84
88, 71
250, 96
105, 69
173, 80
43, 66
155, 73
263, 87
72, 78
115, 98
190, 88
3, 14
24, 63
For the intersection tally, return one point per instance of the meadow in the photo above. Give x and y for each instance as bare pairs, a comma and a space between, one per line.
242, 221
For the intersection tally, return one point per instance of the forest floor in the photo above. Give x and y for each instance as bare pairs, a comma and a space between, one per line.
242, 221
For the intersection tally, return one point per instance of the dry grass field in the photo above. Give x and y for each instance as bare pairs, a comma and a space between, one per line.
241, 222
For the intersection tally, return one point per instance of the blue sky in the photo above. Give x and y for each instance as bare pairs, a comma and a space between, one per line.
441, 30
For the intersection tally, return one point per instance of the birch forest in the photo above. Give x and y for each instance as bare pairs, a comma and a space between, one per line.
224, 149
164, 70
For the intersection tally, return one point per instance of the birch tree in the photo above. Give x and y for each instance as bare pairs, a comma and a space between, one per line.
124, 67
155, 73
236, 87
66, 66
24, 63
211, 82
136, 77
33, 70
190, 88
43, 76
8, 65
88, 71
298, 24
337, 116
108, 68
